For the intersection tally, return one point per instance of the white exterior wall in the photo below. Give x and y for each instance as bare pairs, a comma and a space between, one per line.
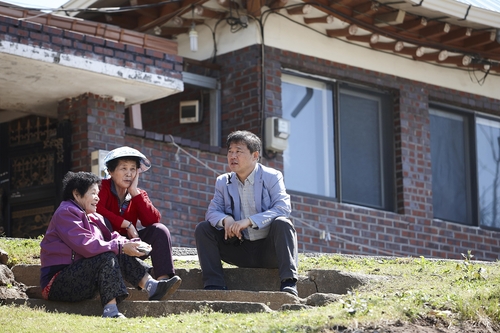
284, 34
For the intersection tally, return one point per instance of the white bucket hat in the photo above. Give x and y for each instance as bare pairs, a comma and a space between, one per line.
128, 151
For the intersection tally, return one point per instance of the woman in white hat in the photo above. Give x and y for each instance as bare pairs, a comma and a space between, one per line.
123, 205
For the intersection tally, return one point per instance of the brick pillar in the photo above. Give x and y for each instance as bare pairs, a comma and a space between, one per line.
97, 123
414, 170
241, 91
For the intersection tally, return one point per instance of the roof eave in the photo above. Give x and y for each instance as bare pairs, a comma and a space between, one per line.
462, 11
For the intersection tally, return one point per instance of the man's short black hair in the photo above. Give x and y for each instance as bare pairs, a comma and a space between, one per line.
251, 140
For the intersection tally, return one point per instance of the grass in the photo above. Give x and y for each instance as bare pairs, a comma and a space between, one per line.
438, 292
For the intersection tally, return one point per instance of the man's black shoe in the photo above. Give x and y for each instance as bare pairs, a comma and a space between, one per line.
289, 286
211, 287
166, 288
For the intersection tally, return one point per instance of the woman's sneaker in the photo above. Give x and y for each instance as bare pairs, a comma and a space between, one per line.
166, 288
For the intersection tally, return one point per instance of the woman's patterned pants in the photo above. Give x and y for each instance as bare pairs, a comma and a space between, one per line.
104, 274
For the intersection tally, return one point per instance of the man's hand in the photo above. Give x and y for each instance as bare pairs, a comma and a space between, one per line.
234, 228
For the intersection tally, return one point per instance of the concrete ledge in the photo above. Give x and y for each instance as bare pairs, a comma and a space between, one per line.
242, 279
141, 308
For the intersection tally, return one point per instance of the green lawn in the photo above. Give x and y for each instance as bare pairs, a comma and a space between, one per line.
443, 293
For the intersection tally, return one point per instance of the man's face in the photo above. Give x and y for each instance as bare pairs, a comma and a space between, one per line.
240, 159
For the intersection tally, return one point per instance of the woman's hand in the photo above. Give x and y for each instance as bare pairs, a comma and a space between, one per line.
132, 232
133, 190
130, 228
130, 249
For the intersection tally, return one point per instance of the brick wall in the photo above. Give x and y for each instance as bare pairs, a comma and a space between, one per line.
162, 115
97, 123
183, 186
88, 46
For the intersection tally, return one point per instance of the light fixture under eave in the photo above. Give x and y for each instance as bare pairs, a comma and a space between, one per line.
193, 38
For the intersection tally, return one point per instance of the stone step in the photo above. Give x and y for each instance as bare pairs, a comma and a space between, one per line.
273, 299
250, 290
250, 279
140, 308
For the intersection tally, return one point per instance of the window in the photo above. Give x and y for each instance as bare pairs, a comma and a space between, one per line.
309, 160
465, 155
450, 166
341, 141
488, 171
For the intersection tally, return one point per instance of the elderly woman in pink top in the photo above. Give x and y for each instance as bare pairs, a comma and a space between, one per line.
81, 257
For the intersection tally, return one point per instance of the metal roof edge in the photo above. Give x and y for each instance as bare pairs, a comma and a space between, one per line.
461, 10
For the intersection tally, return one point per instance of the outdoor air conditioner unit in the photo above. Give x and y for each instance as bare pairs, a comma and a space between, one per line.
189, 112
97, 163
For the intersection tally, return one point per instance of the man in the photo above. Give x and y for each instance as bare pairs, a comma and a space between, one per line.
247, 222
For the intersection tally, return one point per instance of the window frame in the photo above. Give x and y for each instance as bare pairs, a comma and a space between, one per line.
470, 157
386, 153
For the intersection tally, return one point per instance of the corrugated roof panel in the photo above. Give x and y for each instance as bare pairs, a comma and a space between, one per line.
492, 5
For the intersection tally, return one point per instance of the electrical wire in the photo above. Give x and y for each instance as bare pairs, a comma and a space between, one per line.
104, 10
467, 69
179, 148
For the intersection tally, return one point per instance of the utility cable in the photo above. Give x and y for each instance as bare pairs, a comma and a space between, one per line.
179, 148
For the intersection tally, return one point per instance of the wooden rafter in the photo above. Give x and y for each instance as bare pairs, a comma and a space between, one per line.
299, 10
370, 38
409, 30
150, 12
456, 35
208, 13
350, 30
323, 19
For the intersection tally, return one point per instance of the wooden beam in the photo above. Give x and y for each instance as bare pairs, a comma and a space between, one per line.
151, 12
493, 46
393, 46
123, 21
391, 18
412, 25
228, 4
480, 39
299, 10
323, 19
172, 31
325, 3
365, 9
411, 51
370, 38
339, 7
462, 60
169, 8
456, 35
208, 13
435, 30
168, 11
434, 56
276, 4
182, 22
254, 7
350, 30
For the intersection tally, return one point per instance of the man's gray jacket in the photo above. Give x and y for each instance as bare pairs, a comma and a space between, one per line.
271, 199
